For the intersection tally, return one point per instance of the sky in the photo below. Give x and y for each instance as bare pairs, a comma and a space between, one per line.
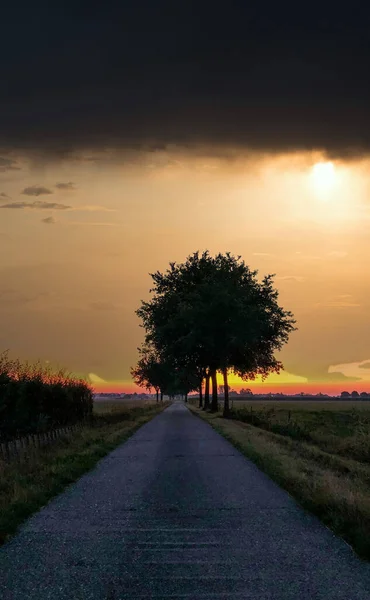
132, 135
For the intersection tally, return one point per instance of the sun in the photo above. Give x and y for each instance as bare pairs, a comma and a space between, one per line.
323, 176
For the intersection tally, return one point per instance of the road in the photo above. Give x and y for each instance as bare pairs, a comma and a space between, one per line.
177, 512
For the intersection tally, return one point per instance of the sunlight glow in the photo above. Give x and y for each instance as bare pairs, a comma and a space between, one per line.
324, 177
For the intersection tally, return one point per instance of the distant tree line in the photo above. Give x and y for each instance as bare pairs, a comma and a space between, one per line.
34, 398
209, 315
355, 394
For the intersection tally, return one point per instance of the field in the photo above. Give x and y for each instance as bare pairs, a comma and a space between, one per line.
318, 451
311, 404
104, 406
341, 428
26, 486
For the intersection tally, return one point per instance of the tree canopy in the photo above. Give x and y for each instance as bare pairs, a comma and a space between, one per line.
212, 314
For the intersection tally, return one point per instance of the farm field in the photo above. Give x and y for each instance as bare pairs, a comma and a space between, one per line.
318, 451
104, 406
326, 404
336, 427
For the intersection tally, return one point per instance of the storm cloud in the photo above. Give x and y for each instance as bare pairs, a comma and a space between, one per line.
268, 77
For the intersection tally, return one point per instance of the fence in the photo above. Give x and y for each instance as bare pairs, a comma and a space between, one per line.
22, 448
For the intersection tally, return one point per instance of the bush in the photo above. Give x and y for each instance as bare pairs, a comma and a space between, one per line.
34, 398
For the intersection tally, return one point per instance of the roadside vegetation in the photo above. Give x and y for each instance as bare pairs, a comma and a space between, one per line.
319, 454
28, 485
34, 398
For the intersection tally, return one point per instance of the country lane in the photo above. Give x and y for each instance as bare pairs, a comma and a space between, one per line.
177, 512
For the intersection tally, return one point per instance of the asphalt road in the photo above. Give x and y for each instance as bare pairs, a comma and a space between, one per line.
177, 512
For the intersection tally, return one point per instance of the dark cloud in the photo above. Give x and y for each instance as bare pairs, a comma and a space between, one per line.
48, 220
36, 190
38, 205
269, 76
365, 365
4, 195
8, 164
68, 186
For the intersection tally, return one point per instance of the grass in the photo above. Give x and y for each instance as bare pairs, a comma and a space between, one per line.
341, 430
320, 455
120, 405
27, 486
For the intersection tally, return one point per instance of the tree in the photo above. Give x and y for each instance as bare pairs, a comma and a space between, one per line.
212, 314
221, 389
147, 371
355, 394
152, 371
170, 322
246, 392
155, 371
345, 395
206, 390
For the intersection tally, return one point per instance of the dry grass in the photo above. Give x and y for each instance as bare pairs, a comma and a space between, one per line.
25, 487
334, 487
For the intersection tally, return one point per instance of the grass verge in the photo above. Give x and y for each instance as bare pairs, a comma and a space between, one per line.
333, 487
27, 486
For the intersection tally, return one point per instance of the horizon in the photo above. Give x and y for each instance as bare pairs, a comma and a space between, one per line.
256, 388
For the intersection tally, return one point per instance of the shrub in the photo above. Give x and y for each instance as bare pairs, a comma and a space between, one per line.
34, 398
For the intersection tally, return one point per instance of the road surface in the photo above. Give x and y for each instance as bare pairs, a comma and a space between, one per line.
177, 512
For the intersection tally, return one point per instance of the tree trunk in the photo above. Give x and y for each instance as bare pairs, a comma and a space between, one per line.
186, 397
201, 394
156, 393
206, 393
226, 397
161, 396
214, 405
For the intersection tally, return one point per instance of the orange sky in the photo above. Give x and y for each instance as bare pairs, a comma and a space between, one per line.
75, 258
333, 389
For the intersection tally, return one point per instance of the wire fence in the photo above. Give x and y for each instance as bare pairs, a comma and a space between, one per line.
22, 448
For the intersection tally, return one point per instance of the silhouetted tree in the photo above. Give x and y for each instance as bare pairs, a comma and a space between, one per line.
212, 314
144, 373
246, 392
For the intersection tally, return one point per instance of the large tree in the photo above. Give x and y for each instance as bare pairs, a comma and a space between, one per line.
249, 325
170, 318
212, 314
